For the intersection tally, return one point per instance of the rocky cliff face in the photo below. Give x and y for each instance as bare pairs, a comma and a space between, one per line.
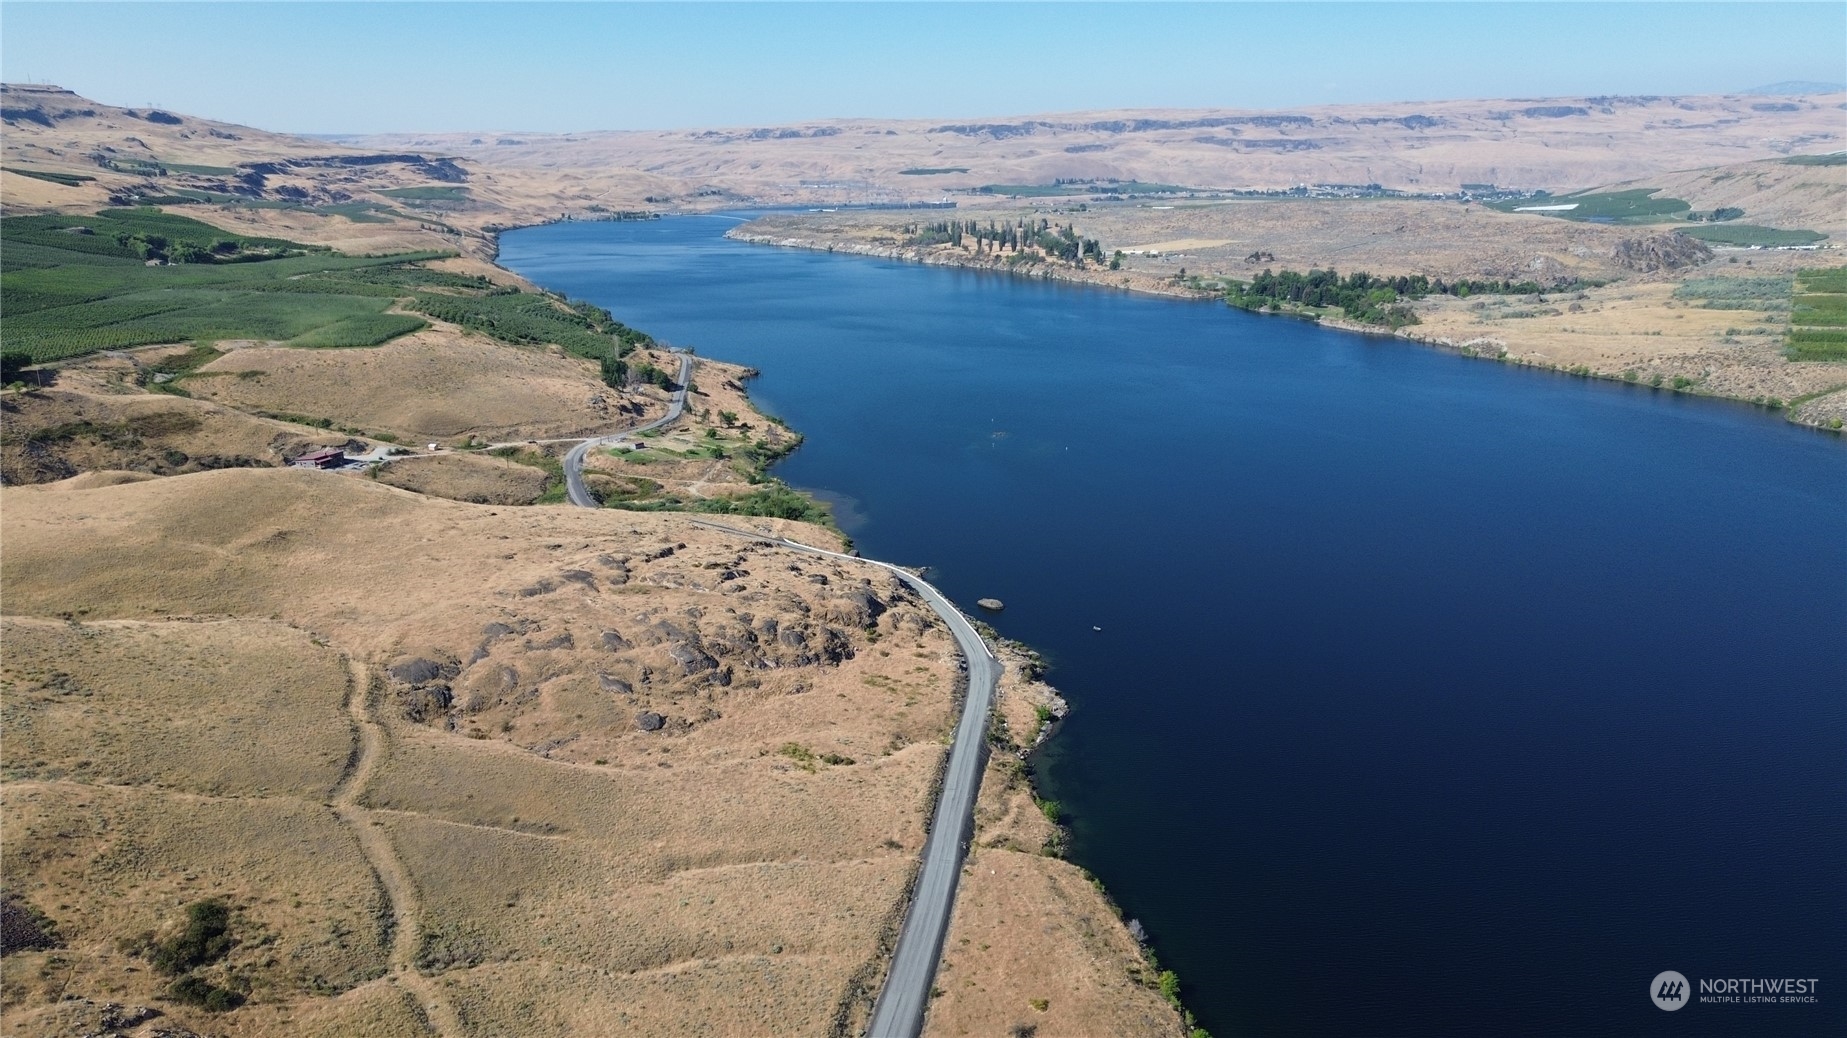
1660, 252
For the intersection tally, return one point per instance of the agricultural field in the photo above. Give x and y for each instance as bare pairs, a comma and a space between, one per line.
528, 318
62, 179
1750, 234
1091, 187
1818, 319
427, 194
1637, 205
1647, 205
73, 285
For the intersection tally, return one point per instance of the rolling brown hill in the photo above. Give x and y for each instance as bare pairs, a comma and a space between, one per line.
476, 181
1553, 143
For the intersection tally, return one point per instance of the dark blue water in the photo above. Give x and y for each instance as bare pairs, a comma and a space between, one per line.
1433, 697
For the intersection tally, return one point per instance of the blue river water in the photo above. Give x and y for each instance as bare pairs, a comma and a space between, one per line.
1432, 696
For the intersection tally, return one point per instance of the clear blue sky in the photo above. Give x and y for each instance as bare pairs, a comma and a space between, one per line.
354, 67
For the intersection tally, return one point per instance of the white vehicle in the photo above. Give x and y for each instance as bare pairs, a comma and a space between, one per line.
435, 447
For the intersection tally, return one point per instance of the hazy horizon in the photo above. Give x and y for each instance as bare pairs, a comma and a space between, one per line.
441, 67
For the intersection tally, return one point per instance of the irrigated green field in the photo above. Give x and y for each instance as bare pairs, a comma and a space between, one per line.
427, 194
1749, 234
72, 285
1637, 205
1818, 321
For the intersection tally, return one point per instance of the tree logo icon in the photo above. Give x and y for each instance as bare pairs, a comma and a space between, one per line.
1669, 990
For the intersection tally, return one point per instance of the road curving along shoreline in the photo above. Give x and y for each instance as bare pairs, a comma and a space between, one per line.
902, 1001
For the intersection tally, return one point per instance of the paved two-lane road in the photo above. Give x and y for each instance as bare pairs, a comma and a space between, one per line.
899, 1011
574, 459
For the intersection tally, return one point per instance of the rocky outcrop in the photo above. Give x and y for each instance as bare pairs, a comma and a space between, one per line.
416, 670
854, 606
1660, 252
691, 660
426, 702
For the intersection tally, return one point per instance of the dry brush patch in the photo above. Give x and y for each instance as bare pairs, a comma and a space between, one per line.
133, 704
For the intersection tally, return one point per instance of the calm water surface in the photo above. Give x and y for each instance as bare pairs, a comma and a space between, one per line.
1432, 697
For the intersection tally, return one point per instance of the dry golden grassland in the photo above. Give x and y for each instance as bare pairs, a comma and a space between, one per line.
525, 855
476, 478
53, 434
442, 385
1559, 143
152, 764
1640, 331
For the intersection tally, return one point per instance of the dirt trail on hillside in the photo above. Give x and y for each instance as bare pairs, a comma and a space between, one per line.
406, 917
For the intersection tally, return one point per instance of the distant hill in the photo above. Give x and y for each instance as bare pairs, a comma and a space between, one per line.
1797, 86
63, 151
1562, 143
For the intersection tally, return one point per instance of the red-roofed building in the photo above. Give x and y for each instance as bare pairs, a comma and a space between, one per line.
331, 458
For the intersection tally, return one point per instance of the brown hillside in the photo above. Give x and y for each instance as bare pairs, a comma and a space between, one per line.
539, 844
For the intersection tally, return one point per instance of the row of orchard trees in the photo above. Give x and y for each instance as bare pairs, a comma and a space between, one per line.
1018, 237
1367, 298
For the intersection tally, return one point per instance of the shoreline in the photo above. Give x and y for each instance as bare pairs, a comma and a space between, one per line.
1018, 684
1491, 347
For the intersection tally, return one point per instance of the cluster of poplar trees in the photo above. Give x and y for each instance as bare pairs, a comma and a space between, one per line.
1059, 241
